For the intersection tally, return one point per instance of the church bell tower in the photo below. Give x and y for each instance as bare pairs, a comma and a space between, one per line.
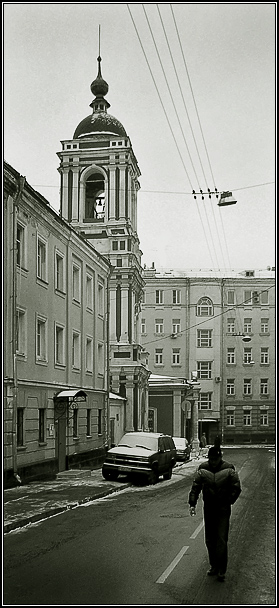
99, 185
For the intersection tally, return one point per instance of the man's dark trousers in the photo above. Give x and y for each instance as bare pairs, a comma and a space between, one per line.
216, 526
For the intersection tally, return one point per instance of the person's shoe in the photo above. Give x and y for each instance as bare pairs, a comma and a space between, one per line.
212, 571
221, 577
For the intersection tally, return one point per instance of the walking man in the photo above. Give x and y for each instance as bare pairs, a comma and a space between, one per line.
203, 441
220, 486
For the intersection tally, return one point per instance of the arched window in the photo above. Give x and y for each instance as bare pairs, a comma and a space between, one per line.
94, 197
205, 308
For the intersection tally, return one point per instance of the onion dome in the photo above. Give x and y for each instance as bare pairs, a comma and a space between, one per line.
99, 121
99, 86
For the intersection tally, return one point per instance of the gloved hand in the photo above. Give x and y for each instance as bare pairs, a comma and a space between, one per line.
192, 511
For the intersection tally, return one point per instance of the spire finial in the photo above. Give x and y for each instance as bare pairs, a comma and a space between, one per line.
99, 86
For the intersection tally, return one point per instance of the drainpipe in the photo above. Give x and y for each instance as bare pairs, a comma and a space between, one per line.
108, 438
14, 326
222, 367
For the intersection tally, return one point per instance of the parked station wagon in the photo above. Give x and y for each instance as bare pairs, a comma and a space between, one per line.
141, 453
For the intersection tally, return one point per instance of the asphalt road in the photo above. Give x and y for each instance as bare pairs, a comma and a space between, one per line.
141, 547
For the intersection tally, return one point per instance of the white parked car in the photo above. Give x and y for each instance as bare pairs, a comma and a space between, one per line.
183, 449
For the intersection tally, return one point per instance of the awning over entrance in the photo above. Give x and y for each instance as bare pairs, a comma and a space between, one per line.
208, 420
114, 396
72, 395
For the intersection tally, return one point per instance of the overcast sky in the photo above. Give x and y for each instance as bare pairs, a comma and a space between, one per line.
194, 87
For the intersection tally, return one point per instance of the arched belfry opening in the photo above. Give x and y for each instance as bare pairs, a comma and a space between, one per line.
94, 208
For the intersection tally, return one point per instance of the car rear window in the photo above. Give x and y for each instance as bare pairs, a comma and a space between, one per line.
169, 443
180, 443
138, 440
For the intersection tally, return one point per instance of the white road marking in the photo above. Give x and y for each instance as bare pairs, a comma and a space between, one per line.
198, 529
174, 563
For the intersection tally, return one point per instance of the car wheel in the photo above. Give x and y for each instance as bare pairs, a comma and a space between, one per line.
153, 477
110, 475
168, 474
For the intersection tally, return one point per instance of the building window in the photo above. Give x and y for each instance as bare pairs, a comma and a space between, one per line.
204, 338
264, 418
143, 297
59, 345
76, 283
247, 355
119, 262
122, 245
41, 339
230, 296
264, 326
20, 245
264, 355
159, 326
76, 350
231, 326
158, 356
204, 369
264, 386
89, 355
205, 402
59, 272
101, 304
42, 418
247, 420
20, 332
230, 356
251, 297
152, 420
88, 423
247, 386
176, 327
19, 427
230, 386
247, 326
89, 292
176, 356
101, 366
247, 298
75, 423
204, 308
114, 245
176, 296
264, 297
143, 326
41, 259
230, 419
159, 296
100, 422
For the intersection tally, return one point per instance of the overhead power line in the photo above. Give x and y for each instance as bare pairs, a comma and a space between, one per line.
154, 81
162, 191
163, 107
178, 36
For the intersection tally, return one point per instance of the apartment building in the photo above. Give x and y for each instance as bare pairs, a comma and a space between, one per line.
221, 326
55, 339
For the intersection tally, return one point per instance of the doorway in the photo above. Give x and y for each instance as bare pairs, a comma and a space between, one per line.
60, 421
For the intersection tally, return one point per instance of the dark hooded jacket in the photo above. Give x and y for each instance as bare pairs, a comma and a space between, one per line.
220, 486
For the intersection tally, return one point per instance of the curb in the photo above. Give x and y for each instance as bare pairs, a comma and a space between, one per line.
45, 514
